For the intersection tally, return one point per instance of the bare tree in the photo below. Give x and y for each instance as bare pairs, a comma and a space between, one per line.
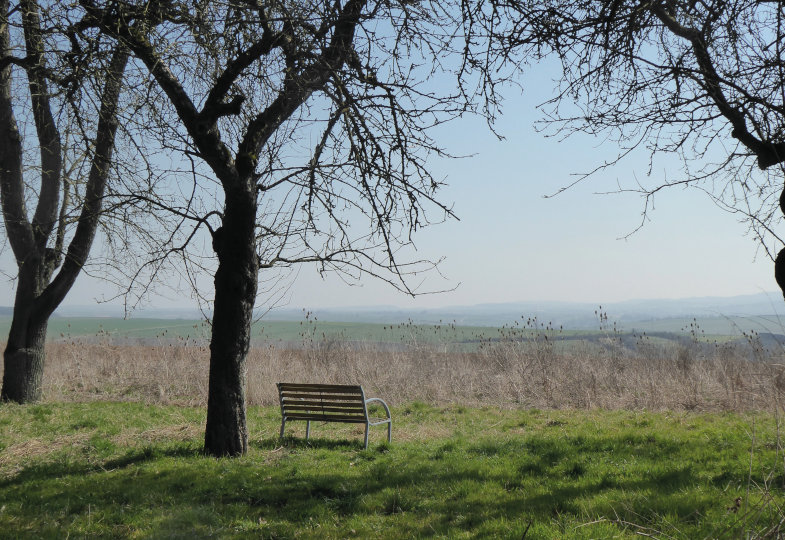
313, 118
701, 80
63, 84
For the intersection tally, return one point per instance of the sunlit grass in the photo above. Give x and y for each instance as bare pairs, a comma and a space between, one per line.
131, 470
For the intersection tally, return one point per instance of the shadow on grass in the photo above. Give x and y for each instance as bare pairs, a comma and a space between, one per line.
467, 485
68, 466
151, 453
291, 442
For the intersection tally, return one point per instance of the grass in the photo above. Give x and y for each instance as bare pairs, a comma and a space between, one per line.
129, 470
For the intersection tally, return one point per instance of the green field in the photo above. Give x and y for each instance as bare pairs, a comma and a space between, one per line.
287, 331
309, 330
78, 327
130, 470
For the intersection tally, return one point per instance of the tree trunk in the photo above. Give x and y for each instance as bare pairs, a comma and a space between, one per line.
24, 354
24, 360
226, 433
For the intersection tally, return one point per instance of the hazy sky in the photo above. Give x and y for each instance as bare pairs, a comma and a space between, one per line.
512, 244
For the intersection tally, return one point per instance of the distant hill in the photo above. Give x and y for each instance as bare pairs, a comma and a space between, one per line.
762, 307
716, 315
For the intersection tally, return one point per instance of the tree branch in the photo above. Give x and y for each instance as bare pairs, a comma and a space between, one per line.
19, 230
79, 247
205, 136
298, 87
45, 215
768, 153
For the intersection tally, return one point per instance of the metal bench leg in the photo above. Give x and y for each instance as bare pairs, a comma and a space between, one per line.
307, 429
389, 432
283, 424
366, 436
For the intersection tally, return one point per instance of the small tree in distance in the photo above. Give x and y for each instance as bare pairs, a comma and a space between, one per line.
313, 118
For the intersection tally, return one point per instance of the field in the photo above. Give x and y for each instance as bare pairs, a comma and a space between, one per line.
525, 431
151, 331
157, 330
528, 365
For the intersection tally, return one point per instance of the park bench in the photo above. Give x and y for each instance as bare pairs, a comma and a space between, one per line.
329, 403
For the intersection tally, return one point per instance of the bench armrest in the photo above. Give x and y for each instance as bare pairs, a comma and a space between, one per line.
386, 408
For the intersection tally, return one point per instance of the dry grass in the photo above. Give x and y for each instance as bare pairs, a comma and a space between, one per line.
17, 455
509, 374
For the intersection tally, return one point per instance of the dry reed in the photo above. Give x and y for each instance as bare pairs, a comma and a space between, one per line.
513, 373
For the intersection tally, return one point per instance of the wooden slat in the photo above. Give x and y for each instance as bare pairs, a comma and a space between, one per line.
320, 402
326, 418
320, 392
343, 406
348, 410
321, 387
322, 397
345, 397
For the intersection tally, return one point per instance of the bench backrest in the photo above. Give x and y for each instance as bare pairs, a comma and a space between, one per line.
325, 402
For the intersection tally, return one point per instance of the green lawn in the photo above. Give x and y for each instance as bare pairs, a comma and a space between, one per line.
130, 470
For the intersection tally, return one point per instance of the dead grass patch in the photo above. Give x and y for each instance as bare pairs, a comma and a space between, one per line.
505, 374
18, 455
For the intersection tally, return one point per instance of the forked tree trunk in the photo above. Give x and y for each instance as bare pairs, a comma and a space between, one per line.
226, 432
37, 294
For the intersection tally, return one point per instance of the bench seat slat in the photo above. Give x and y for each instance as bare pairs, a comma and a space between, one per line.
324, 397
318, 385
296, 407
326, 418
309, 395
330, 389
319, 389
320, 402
330, 399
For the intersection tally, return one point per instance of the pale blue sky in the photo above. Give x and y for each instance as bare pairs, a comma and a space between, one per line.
512, 244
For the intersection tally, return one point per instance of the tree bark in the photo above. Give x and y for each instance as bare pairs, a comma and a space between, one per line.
24, 360
226, 432
24, 353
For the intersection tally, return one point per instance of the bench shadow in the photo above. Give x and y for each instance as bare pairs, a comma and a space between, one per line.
292, 442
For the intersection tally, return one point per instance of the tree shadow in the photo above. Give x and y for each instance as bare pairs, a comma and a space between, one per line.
350, 482
68, 467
